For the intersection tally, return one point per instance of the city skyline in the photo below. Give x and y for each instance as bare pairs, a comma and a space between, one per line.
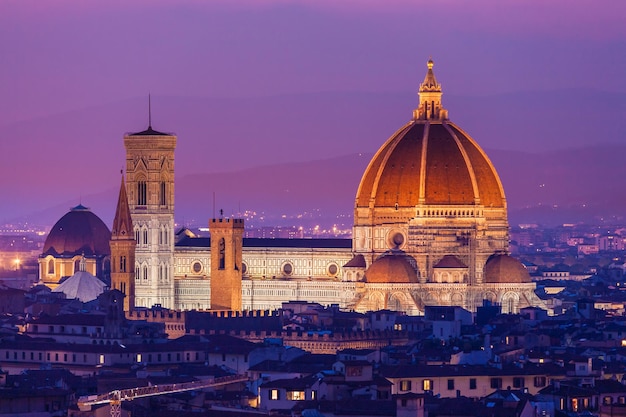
77, 77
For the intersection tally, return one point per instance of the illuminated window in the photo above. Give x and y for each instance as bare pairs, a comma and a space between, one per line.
274, 394
607, 400
405, 385
296, 395
313, 394
101, 360
427, 385
139, 357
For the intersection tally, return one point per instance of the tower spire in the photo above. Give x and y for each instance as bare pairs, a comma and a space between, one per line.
122, 246
122, 223
430, 97
149, 112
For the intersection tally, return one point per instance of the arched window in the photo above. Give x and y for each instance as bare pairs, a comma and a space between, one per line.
145, 273
162, 195
145, 236
137, 236
136, 272
51, 267
142, 193
122, 263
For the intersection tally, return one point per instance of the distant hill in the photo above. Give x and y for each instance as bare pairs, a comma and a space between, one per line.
534, 138
555, 187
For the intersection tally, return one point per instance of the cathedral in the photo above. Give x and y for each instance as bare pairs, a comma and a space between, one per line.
430, 228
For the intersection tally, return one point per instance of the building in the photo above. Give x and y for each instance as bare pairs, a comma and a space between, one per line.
430, 228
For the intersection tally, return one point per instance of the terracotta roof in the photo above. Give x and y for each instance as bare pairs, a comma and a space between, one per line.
450, 261
358, 261
391, 268
504, 268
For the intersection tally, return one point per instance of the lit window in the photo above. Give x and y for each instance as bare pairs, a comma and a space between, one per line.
405, 385
139, 357
427, 385
101, 360
274, 394
296, 395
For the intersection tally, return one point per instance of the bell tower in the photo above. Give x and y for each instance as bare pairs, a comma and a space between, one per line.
150, 179
123, 251
226, 263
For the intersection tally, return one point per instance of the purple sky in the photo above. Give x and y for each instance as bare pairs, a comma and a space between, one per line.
69, 56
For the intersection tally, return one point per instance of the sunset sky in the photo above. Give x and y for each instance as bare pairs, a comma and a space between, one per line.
67, 55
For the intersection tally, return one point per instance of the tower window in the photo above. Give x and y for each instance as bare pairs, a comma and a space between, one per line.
122, 263
162, 198
51, 267
142, 193
222, 254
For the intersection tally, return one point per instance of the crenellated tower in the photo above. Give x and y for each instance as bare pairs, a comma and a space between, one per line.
226, 263
123, 246
150, 180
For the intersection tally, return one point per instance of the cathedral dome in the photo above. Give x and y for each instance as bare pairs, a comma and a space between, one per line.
79, 232
430, 161
505, 269
391, 268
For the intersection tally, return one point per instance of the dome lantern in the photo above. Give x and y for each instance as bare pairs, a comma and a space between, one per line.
430, 97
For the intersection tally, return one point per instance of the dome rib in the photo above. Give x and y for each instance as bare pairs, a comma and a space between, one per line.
468, 163
366, 192
490, 185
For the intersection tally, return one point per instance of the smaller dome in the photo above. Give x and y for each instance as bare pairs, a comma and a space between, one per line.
392, 268
501, 269
83, 286
78, 232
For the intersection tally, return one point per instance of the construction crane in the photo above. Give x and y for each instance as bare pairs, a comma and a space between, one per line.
116, 397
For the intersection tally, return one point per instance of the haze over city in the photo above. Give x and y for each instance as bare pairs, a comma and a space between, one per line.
278, 84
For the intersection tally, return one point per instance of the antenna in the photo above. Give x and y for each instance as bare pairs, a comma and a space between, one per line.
214, 204
149, 112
